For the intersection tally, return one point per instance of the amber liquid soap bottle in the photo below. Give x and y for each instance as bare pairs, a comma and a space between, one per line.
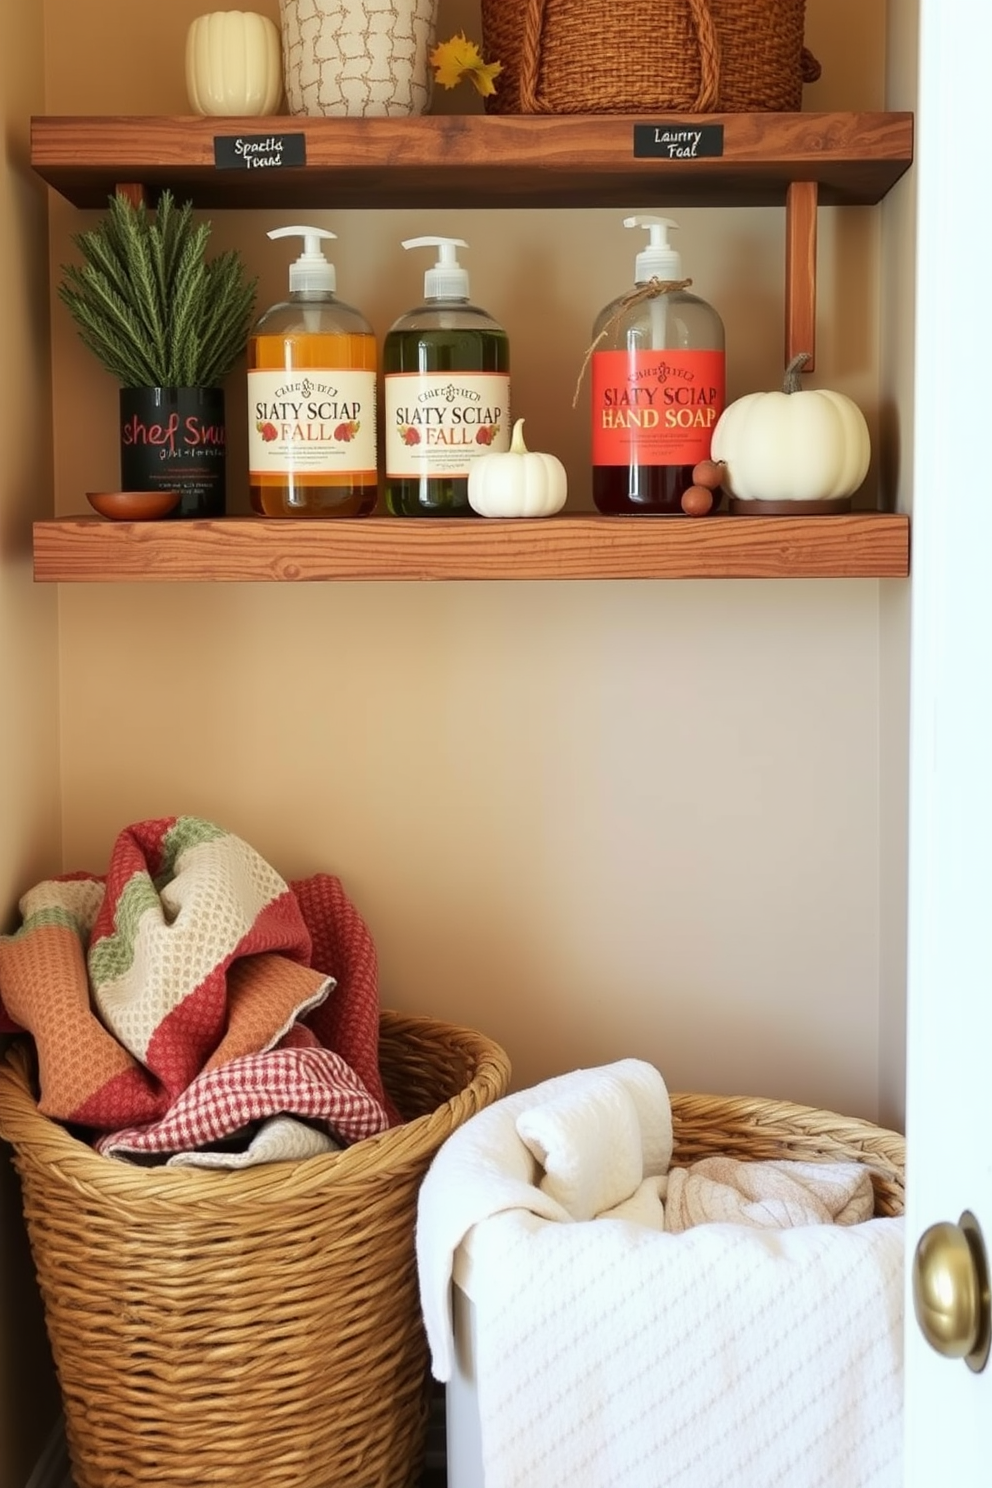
446, 375
312, 397
658, 386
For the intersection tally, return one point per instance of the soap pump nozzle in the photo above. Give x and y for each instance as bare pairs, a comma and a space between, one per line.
658, 260
447, 280
311, 271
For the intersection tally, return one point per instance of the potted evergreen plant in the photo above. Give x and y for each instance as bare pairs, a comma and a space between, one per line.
169, 324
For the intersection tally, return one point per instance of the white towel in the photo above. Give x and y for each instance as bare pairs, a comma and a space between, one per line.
484, 1168
644, 1207
279, 1139
725, 1357
587, 1139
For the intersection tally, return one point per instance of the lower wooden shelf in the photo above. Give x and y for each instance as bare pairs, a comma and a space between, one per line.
75, 550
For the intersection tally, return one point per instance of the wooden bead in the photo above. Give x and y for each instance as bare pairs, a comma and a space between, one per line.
697, 501
708, 473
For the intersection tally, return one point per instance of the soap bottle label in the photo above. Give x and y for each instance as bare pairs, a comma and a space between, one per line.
655, 407
318, 421
437, 423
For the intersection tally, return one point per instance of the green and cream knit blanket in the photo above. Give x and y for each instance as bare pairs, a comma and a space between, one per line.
191, 993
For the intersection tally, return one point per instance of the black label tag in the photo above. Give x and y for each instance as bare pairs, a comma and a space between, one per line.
259, 151
677, 141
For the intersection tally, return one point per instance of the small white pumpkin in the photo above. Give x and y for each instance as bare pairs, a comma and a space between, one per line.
517, 482
233, 64
796, 445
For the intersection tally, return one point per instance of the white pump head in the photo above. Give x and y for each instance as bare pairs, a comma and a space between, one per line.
311, 271
447, 280
658, 260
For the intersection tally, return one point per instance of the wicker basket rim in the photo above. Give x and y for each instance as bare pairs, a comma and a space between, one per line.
22, 1122
763, 1109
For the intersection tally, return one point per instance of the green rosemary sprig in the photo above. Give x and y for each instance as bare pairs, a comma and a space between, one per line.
150, 305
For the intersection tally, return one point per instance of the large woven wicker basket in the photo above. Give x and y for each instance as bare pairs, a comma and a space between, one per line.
694, 56
259, 1327
758, 1130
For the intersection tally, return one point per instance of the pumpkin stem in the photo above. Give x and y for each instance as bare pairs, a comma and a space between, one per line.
517, 446
790, 382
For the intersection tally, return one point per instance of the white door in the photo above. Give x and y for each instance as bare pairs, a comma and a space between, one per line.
949, 1122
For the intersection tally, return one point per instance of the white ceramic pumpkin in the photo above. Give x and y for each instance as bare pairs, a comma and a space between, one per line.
796, 445
233, 64
517, 482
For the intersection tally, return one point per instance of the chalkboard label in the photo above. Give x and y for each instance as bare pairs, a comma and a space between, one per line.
259, 151
677, 141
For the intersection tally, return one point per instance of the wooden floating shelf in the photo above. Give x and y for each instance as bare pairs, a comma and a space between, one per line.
252, 549
798, 160
478, 160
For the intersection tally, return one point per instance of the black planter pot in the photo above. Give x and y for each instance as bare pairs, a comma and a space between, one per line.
174, 439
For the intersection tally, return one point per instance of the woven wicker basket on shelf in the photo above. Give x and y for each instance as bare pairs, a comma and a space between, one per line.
762, 1130
260, 1326
690, 56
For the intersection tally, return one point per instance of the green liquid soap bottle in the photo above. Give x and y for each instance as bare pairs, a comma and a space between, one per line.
312, 397
658, 386
446, 371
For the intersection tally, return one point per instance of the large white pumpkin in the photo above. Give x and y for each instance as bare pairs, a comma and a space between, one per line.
793, 445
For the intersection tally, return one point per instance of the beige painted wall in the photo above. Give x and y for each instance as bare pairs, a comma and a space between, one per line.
588, 818
29, 841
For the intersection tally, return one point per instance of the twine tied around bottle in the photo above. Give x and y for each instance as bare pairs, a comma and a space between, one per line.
649, 291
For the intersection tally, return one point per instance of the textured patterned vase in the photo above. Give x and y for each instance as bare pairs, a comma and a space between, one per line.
358, 56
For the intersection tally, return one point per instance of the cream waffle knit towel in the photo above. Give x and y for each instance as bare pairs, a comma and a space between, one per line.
768, 1195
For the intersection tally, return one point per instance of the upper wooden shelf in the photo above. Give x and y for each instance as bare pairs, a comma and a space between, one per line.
478, 160
236, 549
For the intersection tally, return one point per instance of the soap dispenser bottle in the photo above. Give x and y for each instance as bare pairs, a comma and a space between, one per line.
658, 384
446, 374
312, 397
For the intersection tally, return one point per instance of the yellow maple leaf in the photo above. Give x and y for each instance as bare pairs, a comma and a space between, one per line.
460, 58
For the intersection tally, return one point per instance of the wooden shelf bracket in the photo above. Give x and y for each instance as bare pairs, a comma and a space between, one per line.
132, 191
800, 271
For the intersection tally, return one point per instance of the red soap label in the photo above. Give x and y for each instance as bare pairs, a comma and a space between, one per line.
655, 407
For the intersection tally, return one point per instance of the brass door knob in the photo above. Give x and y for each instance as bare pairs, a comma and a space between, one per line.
951, 1291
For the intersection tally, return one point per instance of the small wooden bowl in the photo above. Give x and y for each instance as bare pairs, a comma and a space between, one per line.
133, 506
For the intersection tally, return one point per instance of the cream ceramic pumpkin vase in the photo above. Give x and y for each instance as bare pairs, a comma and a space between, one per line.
365, 57
233, 64
792, 451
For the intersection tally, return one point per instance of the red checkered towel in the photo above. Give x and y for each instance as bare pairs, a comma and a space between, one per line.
191, 992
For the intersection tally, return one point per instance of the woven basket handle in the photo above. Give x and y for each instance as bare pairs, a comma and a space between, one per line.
709, 56
530, 51
530, 55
